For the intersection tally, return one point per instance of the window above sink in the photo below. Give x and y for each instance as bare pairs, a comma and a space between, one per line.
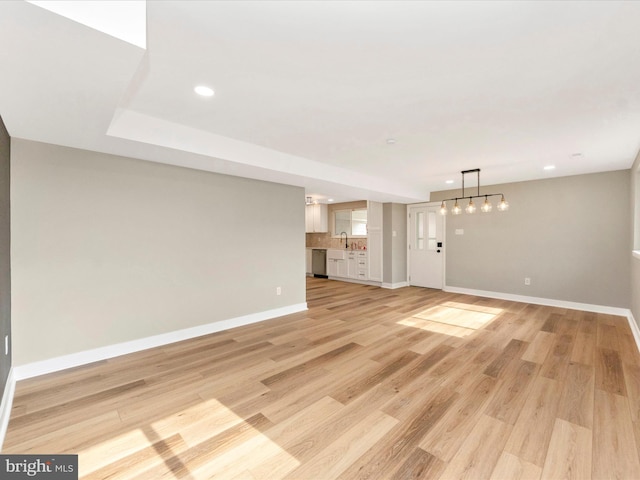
353, 221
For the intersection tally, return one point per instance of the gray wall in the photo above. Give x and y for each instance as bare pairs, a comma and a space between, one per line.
394, 217
635, 221
109, 249
570, 235
5, 255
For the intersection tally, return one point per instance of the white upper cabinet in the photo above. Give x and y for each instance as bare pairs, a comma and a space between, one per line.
317, 218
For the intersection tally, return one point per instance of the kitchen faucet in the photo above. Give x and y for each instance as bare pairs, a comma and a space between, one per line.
346, 239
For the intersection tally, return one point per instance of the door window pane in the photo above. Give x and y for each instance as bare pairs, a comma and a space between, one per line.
420, 230
431, 234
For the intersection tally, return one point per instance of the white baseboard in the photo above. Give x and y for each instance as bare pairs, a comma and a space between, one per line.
82, 358
353, 280
634, 328
540, 301
5, 406
395, 285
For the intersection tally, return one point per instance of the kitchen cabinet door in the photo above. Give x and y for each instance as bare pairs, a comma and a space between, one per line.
308, 219
341, 269
352, 267
316, 218
332, 267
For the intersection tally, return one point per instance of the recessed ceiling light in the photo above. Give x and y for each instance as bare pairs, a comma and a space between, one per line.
330, 200
550, 167
449, 182
391, 141
577, 154
203, 91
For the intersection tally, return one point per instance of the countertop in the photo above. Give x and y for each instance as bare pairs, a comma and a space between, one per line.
333, 248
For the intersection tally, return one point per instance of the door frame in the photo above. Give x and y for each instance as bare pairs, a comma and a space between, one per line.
444, 240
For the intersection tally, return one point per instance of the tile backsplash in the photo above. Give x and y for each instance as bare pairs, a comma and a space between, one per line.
324, 240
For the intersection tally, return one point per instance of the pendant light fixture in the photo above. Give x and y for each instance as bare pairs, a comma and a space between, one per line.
503, 206
456, 210
486, 207
471, 208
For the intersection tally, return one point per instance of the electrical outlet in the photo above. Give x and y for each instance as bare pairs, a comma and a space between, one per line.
278, 290
527, 281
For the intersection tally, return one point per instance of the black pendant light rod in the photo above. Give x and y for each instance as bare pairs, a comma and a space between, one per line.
471, 208
477, 171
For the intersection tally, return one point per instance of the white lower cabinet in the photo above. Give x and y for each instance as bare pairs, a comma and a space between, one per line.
341, 268
332, 267
362, 272
357, 265
352, 265
347, 264
337, 268
335, 262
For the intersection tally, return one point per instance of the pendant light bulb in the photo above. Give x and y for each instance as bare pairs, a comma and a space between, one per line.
456, 210
503, 206
471, 208
486, 206
443, 208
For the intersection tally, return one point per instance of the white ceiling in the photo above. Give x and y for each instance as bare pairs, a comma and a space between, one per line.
307, 93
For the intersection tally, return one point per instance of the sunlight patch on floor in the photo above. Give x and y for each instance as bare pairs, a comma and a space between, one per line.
97, 456
239, 460
473, 307
177, 442
452, 318
199, 424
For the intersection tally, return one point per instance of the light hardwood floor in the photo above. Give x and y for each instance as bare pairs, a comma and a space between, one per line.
368, 383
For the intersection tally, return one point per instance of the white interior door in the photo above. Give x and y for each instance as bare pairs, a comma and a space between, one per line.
426, 246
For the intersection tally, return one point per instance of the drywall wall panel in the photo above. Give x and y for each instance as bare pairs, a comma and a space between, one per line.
5, 256
395, 243
109, 249
569, 235
399, 242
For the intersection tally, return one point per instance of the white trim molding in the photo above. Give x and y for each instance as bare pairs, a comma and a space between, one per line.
636, 254
634, 328
395, 285
353, 280
35, 369
5, 406
540, 301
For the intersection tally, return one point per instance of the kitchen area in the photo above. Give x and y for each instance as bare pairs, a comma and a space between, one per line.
344, 241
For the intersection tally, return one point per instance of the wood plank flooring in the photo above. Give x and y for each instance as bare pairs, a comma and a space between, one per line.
368, 383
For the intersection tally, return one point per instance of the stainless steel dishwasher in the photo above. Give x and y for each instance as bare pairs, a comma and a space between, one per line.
319, 262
